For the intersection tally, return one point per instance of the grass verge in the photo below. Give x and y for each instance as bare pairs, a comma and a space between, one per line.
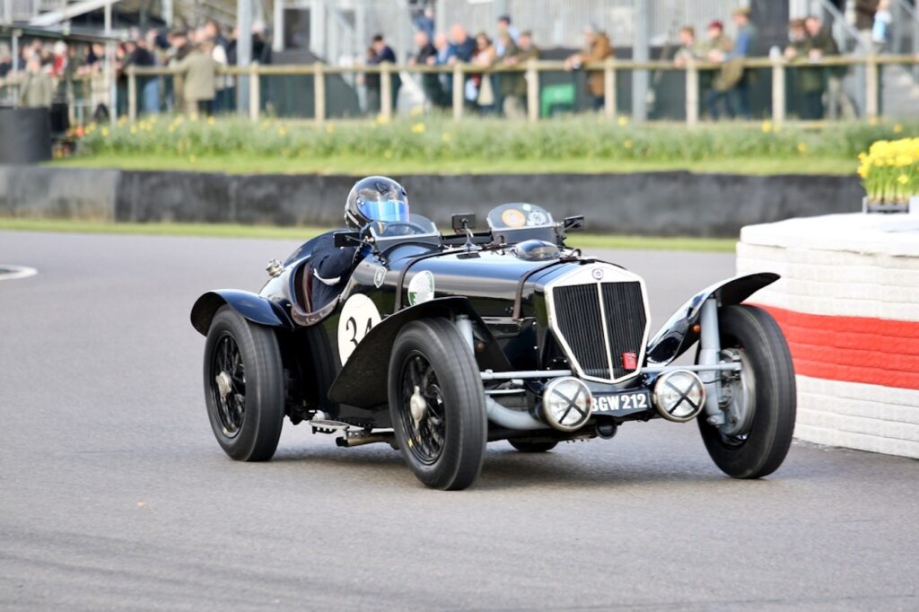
220, 230
354, 165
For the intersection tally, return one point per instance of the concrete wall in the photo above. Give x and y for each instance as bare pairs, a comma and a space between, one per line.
60, 193
662, 203
848, 302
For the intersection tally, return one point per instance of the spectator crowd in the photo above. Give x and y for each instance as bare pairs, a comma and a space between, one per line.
51, 71
726, 84
48, 69
494, 92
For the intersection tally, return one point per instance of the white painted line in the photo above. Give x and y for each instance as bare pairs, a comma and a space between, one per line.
14, 272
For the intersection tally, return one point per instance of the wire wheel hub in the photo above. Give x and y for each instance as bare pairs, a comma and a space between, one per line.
229, 385
422, 409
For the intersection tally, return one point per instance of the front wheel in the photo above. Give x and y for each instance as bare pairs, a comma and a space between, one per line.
243, 386
760, 402
437, 404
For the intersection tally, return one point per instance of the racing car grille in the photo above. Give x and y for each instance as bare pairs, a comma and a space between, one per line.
594, 316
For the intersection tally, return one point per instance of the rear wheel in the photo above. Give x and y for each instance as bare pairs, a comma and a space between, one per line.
437, 404
244, 386
760, 401
533, 446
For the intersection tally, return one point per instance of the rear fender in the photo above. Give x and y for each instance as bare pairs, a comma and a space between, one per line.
362, 381
677, 334
251, 306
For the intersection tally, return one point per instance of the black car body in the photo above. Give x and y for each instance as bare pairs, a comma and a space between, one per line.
542, 326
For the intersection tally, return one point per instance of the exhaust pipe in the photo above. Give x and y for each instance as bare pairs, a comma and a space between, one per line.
358, 440
511, 419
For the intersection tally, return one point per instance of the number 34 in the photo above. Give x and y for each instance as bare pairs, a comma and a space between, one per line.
353, 328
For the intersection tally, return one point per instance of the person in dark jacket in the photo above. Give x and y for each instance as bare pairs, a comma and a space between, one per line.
426, 55
381, 53
824, 45
808, 80
371, 199
445, 53
462, 44
140, 56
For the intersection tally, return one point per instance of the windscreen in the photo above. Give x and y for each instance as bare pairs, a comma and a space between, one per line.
413, 225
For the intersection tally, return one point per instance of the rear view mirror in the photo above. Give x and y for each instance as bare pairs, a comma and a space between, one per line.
346, 239
573, 224
463, 222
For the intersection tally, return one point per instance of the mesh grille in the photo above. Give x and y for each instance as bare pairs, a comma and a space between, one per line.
580, 324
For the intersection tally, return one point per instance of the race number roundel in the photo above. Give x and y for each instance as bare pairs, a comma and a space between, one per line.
421, 288
358, 317
513, 218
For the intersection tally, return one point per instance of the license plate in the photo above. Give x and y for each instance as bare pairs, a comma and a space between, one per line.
630, 400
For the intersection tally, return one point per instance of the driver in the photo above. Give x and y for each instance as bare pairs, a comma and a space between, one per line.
375, 198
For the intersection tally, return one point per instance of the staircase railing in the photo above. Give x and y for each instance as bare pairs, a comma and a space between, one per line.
906, 31
844, 32
341, 42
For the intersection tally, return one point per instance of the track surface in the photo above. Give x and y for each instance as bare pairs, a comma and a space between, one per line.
114, 494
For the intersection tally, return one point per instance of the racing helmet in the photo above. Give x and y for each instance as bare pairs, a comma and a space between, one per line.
376, 198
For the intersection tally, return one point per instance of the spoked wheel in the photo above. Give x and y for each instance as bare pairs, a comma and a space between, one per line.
759, 402
533, 446
437, 404
229, 386
244, 386
423, 409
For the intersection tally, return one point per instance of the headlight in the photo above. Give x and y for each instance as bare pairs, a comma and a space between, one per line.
679, 395
566, 403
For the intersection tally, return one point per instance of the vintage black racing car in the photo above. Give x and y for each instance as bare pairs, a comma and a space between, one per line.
439, 344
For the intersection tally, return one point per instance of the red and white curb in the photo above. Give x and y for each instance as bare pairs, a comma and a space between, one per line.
14, 272
848, 302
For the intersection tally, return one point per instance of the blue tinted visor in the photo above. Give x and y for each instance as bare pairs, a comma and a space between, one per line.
388, 210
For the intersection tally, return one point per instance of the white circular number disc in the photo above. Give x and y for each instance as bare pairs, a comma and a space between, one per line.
358, 317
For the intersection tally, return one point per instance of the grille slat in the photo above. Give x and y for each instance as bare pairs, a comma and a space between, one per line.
580, 324
625, 316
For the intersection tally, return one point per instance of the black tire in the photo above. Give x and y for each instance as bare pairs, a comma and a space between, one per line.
246, 429
762, 450
446, 447
534, 446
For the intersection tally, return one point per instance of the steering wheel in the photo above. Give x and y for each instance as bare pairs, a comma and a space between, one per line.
407, 227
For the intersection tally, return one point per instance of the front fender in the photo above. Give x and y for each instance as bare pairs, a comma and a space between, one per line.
363, 380
677, 334
253, 307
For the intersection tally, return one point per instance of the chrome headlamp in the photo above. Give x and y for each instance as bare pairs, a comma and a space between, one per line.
566, 403
679, 396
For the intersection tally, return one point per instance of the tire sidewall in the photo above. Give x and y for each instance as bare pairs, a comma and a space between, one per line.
465, 426
772, 426
264, 402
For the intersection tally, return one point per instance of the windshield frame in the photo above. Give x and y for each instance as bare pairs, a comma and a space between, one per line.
415, 219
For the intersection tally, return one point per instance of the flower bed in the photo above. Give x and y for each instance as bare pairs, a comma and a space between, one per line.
890, 174
431, 139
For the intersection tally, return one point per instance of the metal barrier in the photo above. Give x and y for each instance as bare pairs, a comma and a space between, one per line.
532, 70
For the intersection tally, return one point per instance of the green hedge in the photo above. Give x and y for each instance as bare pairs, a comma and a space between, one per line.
432, 139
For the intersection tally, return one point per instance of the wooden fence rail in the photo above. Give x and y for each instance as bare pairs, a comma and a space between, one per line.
532, 70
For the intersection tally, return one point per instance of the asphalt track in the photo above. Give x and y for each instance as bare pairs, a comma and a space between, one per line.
114, 494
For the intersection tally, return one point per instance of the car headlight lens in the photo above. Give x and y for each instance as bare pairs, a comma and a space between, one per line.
679, 395
566, 403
